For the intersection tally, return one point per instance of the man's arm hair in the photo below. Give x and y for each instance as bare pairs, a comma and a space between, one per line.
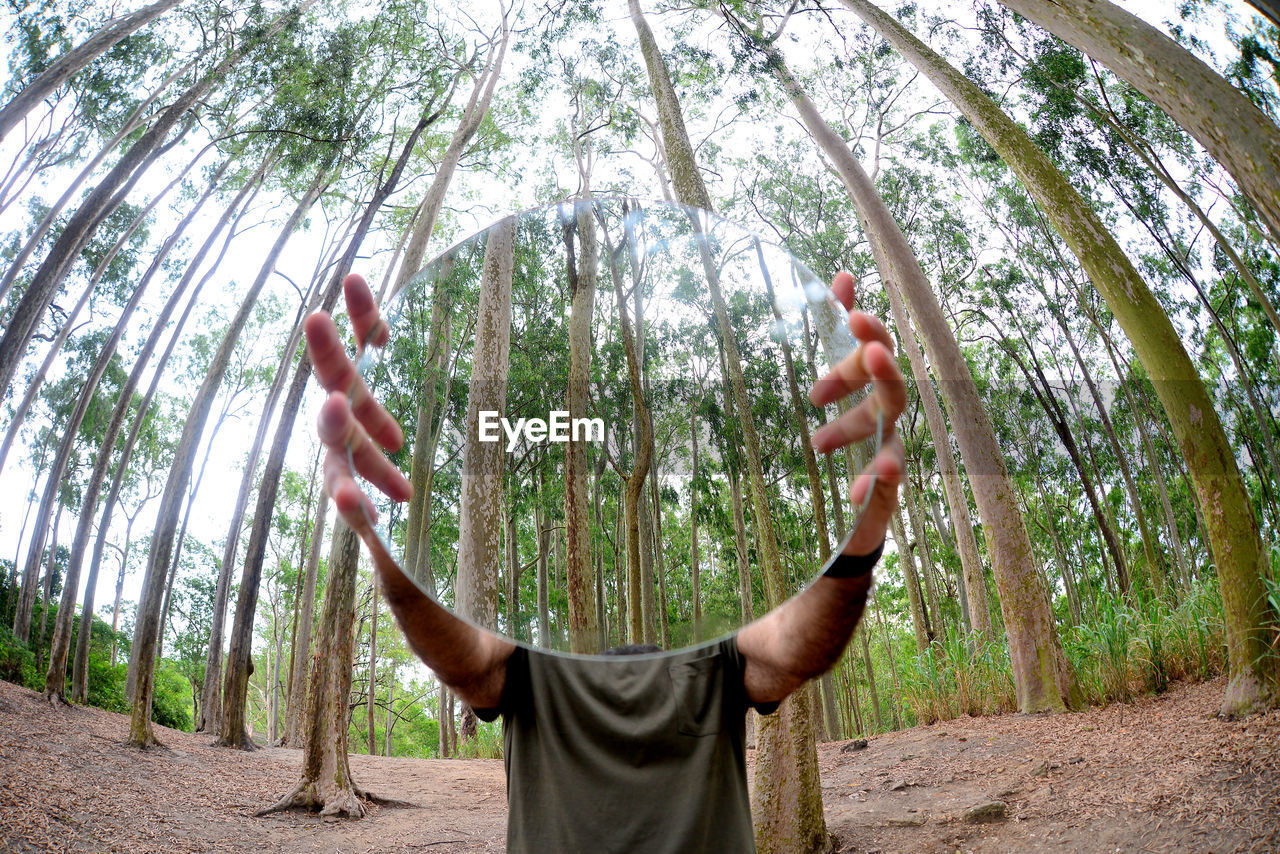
801, 638
467, 658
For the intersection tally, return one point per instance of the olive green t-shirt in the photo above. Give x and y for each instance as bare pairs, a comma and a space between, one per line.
636, 754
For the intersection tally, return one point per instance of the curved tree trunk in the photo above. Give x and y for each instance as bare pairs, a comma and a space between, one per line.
55, 678
1224, 500
77, 58
1041, 676
236, 681
102, 200
788, 796
146, 632
1220, 117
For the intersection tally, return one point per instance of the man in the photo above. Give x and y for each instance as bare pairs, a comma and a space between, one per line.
639, 753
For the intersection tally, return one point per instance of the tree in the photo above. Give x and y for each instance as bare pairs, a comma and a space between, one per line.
1220, 117
74, 60
788, 805
1223, 498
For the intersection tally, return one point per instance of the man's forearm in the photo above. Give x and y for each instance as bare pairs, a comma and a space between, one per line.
467, 658
802, 638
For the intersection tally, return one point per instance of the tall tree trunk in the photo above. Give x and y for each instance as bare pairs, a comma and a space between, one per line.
300, 676
636, 623
472, 116
1220, 117
326, 771
1040, 387
373, 668
1041, 676
582, 296
62, 68
147, 628
55, 679
1224, 500
104, 199
480, 499
236, 681
788, 794
972, 574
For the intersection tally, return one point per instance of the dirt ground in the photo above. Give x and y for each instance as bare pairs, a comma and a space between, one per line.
1162, 774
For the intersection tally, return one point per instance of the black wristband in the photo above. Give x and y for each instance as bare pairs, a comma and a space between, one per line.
854, 566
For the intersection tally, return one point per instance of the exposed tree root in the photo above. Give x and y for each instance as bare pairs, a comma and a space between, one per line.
339, 802
242, 743
56, 699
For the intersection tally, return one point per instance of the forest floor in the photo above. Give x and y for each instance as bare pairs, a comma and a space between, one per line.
1160, 774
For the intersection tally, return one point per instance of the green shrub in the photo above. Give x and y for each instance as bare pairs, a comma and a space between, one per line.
171, 698
17, 662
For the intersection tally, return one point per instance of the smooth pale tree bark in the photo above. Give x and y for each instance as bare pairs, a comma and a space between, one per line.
300, 675
1220, 117
971, 570
146, 632
936, 621
483, 463
1042, 678
236, 681
635, 480
104, 198
788, 797
326, 782
1224, 502
61, 69
583, 636
55, 678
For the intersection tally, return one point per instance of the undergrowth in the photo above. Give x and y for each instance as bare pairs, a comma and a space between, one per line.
1128, 649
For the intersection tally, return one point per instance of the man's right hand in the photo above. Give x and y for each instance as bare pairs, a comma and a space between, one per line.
353, 426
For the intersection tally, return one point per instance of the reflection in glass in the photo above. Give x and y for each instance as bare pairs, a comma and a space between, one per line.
579, 427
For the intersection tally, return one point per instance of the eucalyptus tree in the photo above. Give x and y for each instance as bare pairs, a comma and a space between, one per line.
1224, 500
56, 677
1041, 675
59, 70
441, 88
109, 193
788, 794
1223, 119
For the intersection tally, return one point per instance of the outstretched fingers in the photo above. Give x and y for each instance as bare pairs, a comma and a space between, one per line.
343, 433
882, 476
336, 372
871, 362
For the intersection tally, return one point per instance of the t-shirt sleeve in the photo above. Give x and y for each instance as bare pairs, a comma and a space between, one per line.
737, 673
515, 687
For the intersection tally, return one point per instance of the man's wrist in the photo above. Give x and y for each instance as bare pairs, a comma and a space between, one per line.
854, 566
